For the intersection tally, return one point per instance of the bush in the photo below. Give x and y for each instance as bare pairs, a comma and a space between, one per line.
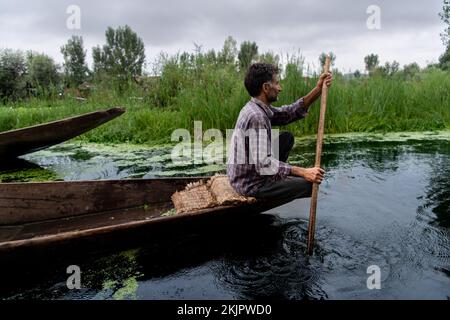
42, 74
12, 75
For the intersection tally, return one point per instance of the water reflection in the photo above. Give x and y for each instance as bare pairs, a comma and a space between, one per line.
438, 191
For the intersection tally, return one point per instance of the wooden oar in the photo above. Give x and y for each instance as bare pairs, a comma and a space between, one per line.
315, 189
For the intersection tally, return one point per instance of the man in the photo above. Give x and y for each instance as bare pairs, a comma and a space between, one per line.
252, 169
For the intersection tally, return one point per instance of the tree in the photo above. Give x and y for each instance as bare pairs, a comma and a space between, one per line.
444, 59
75, 66
445, 16
323, 57
123, 55
371, 62
395, 66
410, 70
210, 57
13, 70
389, 69
42, 72
247, 54
270, 57
229, 52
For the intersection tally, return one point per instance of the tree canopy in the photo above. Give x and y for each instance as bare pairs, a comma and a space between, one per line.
123, 55
75, 67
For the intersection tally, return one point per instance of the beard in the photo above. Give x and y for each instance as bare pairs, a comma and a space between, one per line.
272, 98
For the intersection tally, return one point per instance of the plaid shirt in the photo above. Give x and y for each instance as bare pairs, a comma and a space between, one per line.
248, 173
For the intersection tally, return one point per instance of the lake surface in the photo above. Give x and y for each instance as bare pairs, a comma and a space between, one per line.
385, 203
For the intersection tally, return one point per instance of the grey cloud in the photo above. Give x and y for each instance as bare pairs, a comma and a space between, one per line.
276, 24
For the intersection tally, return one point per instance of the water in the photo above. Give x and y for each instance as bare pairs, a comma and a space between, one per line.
385, 202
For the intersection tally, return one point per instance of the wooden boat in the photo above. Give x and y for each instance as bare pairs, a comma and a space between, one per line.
26, 140
45, 214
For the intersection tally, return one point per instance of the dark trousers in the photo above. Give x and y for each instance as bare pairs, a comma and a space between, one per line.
290, 188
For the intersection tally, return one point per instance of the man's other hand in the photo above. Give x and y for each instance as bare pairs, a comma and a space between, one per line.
325, 77
314, 175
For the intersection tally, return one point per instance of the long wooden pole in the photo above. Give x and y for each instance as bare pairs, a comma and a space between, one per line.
315, 189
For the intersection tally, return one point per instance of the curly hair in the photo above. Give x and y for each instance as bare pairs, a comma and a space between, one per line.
258, 74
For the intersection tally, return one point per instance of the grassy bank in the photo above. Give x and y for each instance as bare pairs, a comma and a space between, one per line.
215, 95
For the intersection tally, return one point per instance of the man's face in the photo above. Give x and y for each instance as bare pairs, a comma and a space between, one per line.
272, 89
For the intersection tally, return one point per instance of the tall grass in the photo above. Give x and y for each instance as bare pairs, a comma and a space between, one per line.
214, 94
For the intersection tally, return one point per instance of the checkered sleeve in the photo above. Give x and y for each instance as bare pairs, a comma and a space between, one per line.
289, 113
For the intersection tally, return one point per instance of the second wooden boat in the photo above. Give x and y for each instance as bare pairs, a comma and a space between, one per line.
18, 142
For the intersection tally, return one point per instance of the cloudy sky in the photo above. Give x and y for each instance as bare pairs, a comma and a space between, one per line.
409, 29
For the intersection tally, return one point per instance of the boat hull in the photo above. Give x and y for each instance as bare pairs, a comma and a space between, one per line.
114, 210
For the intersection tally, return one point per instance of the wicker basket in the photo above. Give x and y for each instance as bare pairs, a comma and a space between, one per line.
201, 195
195, 197
224, 193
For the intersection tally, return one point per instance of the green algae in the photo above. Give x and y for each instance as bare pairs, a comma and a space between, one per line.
119, 280
82, 160
376, 137
169, 213
128, 290
28, 175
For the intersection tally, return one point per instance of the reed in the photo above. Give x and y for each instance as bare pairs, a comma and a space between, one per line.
214, 94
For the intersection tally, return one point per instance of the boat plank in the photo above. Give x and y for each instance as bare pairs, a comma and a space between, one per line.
31, 202
80, 223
